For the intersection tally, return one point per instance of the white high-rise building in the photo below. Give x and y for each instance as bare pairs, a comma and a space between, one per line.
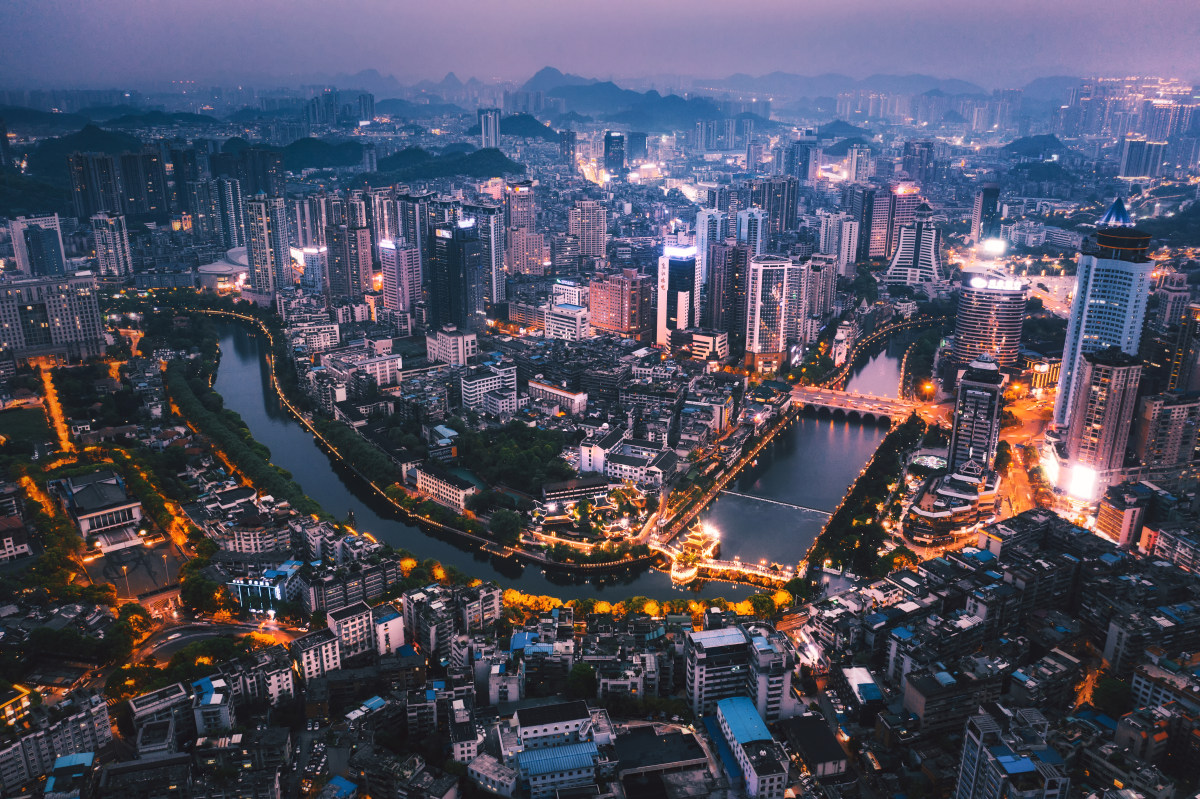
768, 308
489, 221
1112, 284
401, 275
917, 260
711, 226
489, 127
839, 238
267, 248
588, 222
678, 292
315, 262
752, 229
113, 258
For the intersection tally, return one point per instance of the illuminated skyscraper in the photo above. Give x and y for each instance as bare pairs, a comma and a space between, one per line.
975, 432
678, 292
519, 205
728, 263
489, 221
778, 197
767, 311
350, 273
315, 261
1100, 419
991, 311
489, 128
1112, 285
614, 152
456, 277
1185, 355
112, 246
918, 257
623, 304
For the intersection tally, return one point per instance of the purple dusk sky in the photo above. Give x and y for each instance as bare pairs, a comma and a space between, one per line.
992, 42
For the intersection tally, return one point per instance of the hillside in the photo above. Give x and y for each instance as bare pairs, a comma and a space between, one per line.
49, 160
415, 163
314, 153
406, 109
523, 126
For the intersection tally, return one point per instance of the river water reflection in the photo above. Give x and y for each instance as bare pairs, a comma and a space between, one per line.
810, 464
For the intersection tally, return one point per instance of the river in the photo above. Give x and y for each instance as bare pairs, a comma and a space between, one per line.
809, 464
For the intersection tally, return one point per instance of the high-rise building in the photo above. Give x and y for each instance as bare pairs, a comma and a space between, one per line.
729, 262
489, 128
918, 257
1185, 354
95, 184
588, 222
975, 432
231, 213
778, 197
456, 277
262, 171
839, 238
5, 149
711, 226
350, 273
623, 305
801, 160
905, 205
525, 252
614, 152
752, 229
50, 316
144, 184
860, 165
112, 246
678, 292
381, 214
489, 221
567, 143
314, 262
415, 220
1172, 295
1164, 432
985, 214
1142, 159
49, 258
267, 249
564, 253
1102, 412
519, 205
767, 311
1005, 754
635, 146
1112, 285
402, 277
751, 660
917, 160
991, 311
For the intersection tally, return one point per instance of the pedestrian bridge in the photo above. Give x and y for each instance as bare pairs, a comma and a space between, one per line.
851, 403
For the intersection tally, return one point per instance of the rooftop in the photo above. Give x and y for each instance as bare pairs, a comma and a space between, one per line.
742, 719
570, 757
552, 714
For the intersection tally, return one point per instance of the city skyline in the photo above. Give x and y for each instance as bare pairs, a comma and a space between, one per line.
1006, 45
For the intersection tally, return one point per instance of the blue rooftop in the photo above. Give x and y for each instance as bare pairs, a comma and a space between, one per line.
1116, 216
1012, 763
521, 640
342, 787
742, 719
570, 757
903, 633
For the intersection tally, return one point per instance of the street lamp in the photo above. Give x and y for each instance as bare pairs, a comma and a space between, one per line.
166, 571
125, 569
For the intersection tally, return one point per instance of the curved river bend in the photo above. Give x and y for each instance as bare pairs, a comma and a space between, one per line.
810, 464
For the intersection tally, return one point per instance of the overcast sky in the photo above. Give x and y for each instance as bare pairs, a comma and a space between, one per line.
992, 42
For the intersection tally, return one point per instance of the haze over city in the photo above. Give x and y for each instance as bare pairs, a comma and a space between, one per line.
997, 45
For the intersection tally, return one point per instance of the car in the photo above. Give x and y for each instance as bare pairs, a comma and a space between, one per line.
173, 636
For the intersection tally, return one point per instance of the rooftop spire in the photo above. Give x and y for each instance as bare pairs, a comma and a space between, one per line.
1116, 215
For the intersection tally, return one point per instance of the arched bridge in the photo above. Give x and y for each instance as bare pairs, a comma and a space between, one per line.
851, 403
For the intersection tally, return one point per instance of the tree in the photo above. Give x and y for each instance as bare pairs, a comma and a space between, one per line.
505, 526
581, 682
318, 621
1003, 457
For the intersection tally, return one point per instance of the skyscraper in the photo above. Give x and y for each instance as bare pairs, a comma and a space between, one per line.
1142, 159
678, 292
985, 213
519, 208
112, 245
47, 225
635, 146
1112, 285
729, 262
267, 248
55, 316
614, 152
975, 432
588, 222
623, 304
752, 229
778, 197
315, 264
456, 277
917, 160
1172, 296
991, 311
489, 221
566, 147
1185, 355
489, 128
859, 163
402, 279
1101, 414
263, 172
1005, 754
231, 213
143, 184
95, 184
349, 254
711, 226
839, 238
918, 257
767, 311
